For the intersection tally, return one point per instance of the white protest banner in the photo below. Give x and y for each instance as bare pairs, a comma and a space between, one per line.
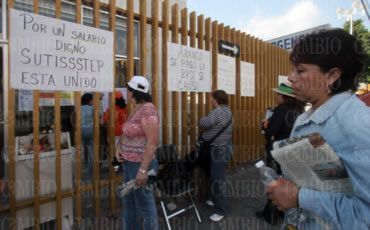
189, 69
247, 79
226, 75
51, 54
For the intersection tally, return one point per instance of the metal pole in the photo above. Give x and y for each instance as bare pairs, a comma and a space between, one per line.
351, 24
5, 70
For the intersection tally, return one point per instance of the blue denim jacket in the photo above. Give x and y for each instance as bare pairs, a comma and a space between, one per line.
344, 122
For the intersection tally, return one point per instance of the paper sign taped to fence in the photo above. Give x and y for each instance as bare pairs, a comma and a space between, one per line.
51, 54
226, 74
247, 79
189, 69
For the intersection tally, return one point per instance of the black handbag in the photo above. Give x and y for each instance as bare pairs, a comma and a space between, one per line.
203, 149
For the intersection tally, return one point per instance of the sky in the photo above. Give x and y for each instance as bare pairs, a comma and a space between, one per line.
268, 19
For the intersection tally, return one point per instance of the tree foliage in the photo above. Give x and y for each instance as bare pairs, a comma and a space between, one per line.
363, 34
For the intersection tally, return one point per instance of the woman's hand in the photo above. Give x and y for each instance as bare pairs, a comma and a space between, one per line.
118, 156
141, 179
264, 124
283, 194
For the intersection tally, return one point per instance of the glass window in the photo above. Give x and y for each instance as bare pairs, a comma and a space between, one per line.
121, 71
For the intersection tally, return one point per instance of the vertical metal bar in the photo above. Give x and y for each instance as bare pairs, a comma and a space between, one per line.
155, 52
193, 115
253, 101
215, 31
11, 134
184, 95
200, 29
77, 136
244, 111
232, 38
260, 96
58, 157
238, 106
130, 39
96, 103
36, 149
111, 133
175, 95
165, 112
208, 47
143, 26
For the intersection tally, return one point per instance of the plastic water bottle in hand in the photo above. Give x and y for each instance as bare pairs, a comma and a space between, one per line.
268, 174
293, 215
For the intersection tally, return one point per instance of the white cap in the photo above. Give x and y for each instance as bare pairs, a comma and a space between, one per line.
139, 83
260, 164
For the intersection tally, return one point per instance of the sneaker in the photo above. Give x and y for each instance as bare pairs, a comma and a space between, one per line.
216, 218
210, 203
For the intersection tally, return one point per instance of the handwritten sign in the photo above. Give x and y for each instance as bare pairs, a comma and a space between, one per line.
51, 54
247, 79
189, 69
226, 73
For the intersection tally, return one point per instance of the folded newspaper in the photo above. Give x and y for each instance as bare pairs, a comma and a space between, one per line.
126, 187
310, 162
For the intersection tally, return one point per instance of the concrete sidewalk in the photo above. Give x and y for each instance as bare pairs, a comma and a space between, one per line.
245, 194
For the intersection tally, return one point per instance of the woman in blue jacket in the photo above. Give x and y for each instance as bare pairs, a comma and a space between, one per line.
325, 67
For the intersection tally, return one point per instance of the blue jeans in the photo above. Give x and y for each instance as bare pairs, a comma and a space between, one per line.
139, 206
220, 156
87, 140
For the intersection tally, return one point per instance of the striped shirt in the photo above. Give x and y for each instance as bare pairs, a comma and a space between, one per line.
214, 122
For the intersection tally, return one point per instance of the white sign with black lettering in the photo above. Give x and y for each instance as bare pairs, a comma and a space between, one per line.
247, 79
51, 54
189, 69
226, 76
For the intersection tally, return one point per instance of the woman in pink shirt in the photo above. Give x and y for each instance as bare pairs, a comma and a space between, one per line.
138, 144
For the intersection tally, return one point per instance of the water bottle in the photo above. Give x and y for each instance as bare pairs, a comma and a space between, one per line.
293, 215
268, 174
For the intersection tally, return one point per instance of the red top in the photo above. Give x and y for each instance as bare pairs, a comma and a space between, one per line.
120, 119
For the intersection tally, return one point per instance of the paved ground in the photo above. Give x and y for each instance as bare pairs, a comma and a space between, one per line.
245, 195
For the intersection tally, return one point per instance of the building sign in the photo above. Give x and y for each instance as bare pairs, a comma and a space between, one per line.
226, 74
51, 54
189, 69
247, 79
288, 42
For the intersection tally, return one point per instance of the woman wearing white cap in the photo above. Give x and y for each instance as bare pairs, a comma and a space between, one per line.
138, 144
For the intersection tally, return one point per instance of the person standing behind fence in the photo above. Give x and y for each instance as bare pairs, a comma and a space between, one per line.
278, 127
120, 115
87, 130
138, 144
220, 118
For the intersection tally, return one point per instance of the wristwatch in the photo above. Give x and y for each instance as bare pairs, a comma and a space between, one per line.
142, 171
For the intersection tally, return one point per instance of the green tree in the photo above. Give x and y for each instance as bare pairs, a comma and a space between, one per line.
363, 34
